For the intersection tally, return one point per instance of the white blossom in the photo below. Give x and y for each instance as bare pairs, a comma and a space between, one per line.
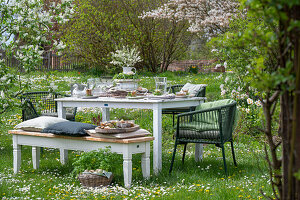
125, 57
257, 103
33, 24
223, 92
210, 17
225, 64
249, 101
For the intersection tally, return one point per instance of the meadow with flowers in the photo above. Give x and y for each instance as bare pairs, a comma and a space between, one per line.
193, 180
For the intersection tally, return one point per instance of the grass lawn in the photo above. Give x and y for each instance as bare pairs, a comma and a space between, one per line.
193, 180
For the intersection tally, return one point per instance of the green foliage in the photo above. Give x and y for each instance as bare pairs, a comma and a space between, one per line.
193, 69
250, 49
101, 27
100, 159
80, 67
297, 174
9, 87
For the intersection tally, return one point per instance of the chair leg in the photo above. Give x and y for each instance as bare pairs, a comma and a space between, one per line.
233, 155
224, 159
184, 150
173, 157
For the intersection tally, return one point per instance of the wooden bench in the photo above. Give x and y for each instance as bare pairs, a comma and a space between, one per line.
126, 147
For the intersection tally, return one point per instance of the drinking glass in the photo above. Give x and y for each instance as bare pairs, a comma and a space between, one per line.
91, 83
161, 84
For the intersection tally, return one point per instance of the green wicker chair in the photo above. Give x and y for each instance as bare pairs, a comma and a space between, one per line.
41, 103
175, 111
211, 123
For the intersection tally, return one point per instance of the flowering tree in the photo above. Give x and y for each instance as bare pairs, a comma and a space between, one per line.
209, 17
25, 35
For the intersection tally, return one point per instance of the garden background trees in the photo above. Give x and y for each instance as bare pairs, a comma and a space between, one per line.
101, 27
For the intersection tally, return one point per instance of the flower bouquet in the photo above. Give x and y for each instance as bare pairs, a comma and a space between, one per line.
125, 57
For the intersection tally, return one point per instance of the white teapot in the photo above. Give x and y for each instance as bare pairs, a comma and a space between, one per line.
128, 70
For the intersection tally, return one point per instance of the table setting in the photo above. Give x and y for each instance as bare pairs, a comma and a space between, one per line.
96, 88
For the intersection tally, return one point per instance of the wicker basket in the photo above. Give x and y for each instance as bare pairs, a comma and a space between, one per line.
94, 180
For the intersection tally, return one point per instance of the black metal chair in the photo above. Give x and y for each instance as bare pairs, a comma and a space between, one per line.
175, 111
42, 103
209, 126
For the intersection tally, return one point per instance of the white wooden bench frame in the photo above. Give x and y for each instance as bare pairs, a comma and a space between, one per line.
126, 147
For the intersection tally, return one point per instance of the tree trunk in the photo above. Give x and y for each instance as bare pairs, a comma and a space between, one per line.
295, 142
290, 106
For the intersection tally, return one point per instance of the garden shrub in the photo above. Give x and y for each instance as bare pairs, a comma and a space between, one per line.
249, 105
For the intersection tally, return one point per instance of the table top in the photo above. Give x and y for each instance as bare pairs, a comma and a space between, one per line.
85, 138
128, 100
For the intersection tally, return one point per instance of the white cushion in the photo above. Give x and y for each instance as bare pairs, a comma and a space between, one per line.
192, 88
39, 123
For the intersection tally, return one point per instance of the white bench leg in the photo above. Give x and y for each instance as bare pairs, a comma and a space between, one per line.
146, 161
63, 156
198, 152
127, 165
17, 154
36, 157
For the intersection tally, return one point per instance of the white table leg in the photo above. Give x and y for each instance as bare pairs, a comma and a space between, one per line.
61, 111
198, 152
17, 154
146, 161
105, 114
127, 166
36, 157
63, 156
157, 143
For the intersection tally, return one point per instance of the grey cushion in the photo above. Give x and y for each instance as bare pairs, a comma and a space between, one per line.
192, 88
69, 128
69, 116
39, 123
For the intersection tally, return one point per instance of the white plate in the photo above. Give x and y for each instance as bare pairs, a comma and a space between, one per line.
181, 96
89, 97
161, 97
138, 97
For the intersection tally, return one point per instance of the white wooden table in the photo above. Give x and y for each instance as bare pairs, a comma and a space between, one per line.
156, 105
126, 147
